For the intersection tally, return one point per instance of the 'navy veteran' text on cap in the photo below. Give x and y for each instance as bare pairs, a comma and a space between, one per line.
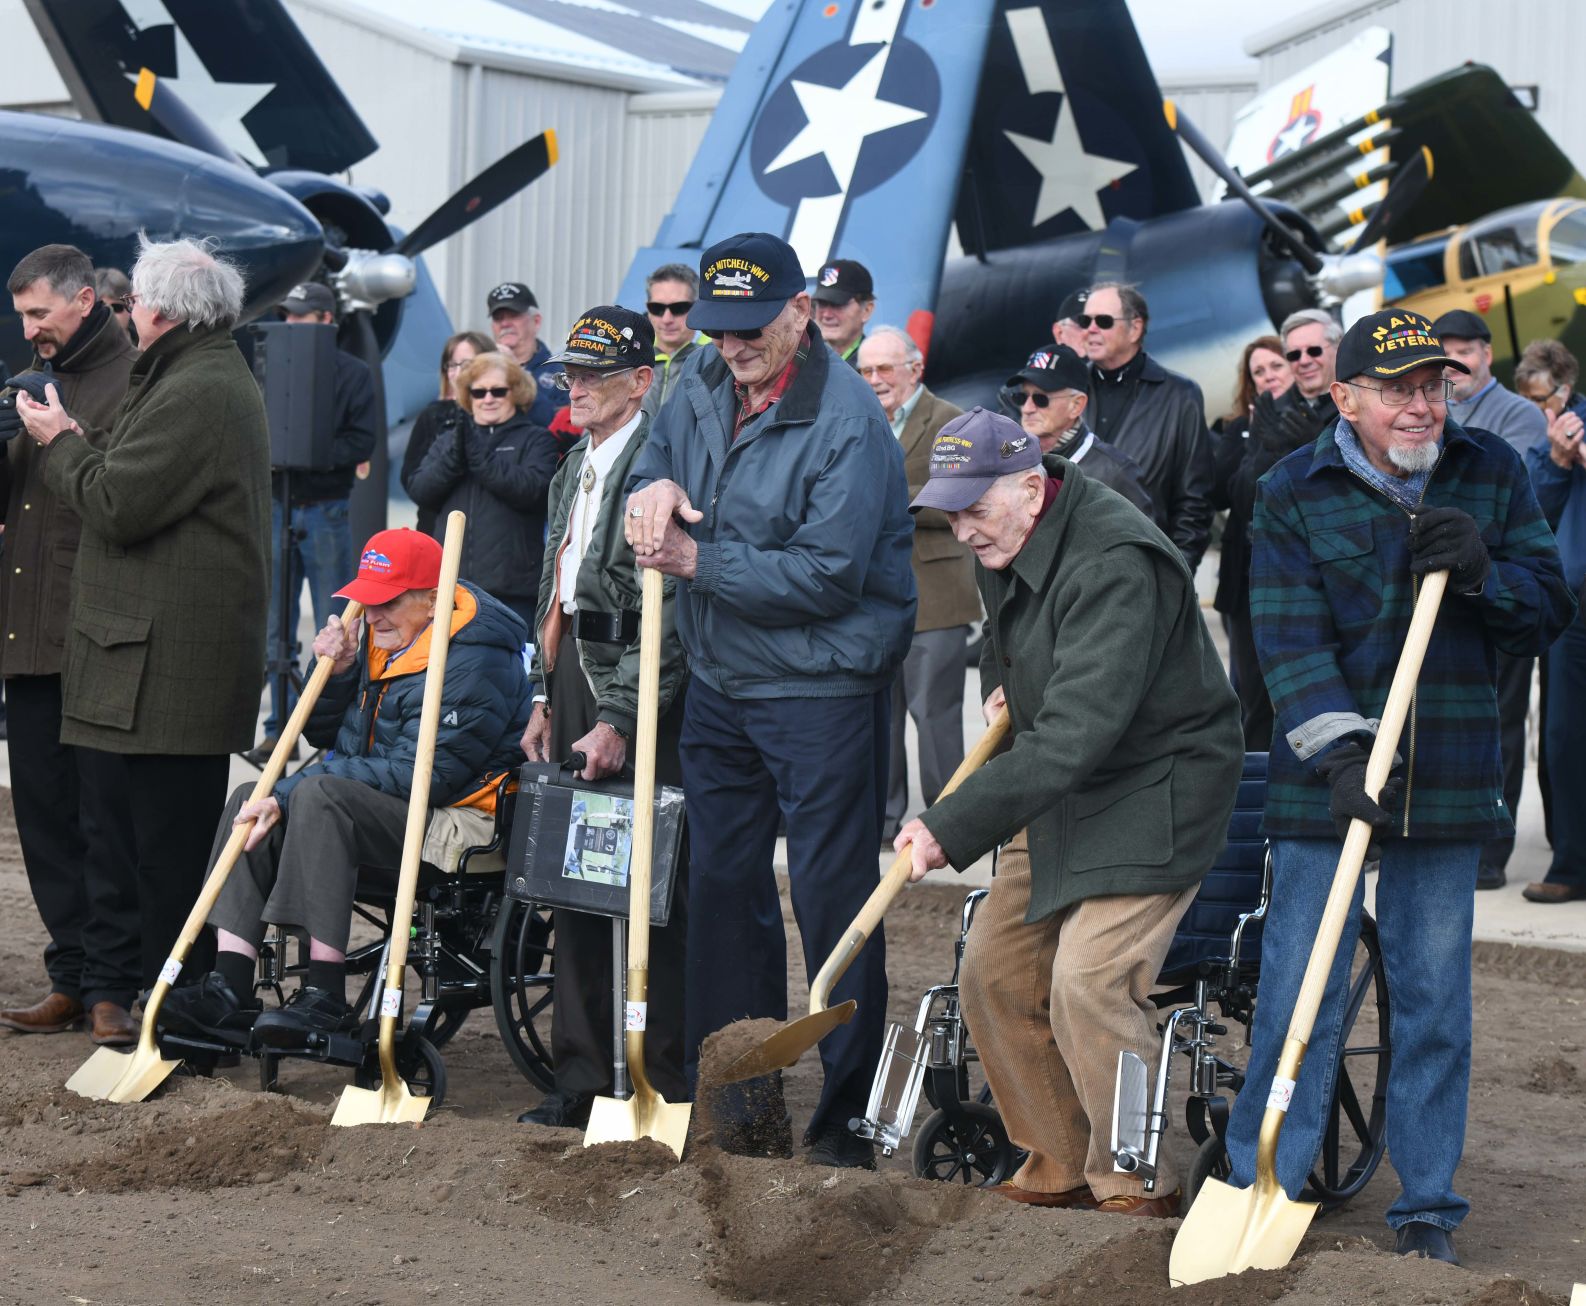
744, 282
608, 338
969, 454
1389, 344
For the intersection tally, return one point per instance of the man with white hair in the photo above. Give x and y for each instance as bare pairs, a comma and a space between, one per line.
1113, 798
165, 639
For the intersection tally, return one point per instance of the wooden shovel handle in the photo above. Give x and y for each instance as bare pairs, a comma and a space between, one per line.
897, 876
644, 744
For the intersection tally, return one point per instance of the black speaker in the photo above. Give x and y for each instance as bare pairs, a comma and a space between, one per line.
295, 366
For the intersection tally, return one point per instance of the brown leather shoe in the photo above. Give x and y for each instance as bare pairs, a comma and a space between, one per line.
1161, 1208
54, 1014
1550, 891
113, 1026
1071, 1199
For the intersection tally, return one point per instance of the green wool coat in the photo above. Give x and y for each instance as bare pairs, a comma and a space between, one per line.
165, 650
1126, 743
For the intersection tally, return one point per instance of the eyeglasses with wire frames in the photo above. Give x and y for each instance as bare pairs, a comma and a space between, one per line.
886, 371
565, 381
1396, 394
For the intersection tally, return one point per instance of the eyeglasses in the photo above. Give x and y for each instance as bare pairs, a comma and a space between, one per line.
1310, 351
458, 364
130, 299
494, 391
567, 380
679, 309
1396, 394
1542, 401
1105, 321
753, 334
886, 371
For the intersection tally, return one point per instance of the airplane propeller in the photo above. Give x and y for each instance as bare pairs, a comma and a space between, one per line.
495, 185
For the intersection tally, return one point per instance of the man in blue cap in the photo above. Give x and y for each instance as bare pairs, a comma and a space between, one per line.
1113, 799
772, 486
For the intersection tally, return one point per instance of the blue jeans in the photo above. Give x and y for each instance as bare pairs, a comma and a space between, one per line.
1566, 758
1425, 902
324, 558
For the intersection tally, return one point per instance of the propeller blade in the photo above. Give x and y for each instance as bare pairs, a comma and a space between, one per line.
1403, 191
495, 185
1190, 134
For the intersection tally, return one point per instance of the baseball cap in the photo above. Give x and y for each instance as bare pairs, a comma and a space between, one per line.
392, 563
969, 454
1461, 324
744, 282
513, 295
607, 338
1053, 367
1072, 306
1389, 344
310, 297
842, 281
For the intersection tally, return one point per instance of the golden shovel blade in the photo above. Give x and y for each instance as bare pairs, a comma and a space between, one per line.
1229, 1230
112, 1076
390, 1104
644, 1115
782, 1050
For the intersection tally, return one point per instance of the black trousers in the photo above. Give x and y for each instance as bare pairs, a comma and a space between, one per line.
72, 832
581, 1014
1255, 708
1514, 701
173, 801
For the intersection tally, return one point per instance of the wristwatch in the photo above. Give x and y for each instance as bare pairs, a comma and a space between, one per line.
621, 734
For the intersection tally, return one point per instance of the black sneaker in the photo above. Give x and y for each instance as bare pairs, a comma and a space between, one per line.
308, 1011
1489, 877
558, 1112
1418, 1238
208, 1008
837, 1145
260, 756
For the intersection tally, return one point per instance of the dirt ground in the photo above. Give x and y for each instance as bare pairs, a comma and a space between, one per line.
213, 1191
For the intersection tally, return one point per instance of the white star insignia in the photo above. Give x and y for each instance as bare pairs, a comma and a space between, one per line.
1070, 178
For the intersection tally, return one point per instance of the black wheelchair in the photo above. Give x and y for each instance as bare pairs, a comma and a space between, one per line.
1207, 984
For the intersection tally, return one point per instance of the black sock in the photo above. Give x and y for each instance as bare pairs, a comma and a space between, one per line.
237, 969
328, 975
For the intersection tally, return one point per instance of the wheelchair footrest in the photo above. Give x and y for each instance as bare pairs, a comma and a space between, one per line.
895, 1093
1131, 1117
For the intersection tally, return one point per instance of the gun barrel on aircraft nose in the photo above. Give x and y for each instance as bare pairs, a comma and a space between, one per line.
1279, 169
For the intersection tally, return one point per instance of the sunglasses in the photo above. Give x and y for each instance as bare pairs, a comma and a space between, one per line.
1105, 321
1310, 351
494, 391
118, 306
1017, 398
679, 309
736, 335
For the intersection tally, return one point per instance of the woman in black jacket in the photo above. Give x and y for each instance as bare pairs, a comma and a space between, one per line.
496, 466
458, 351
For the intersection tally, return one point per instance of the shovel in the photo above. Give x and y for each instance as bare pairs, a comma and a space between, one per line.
113, 1076
644, 1113
782, 1049
392, 1103
1232, 1229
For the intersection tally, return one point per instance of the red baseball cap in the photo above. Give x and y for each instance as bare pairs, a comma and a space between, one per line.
394, 562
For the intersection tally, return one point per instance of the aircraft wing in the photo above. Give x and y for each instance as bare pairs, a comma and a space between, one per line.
246, 75
843, 130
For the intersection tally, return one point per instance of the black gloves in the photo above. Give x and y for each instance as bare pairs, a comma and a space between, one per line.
1344, 769
1446, 539
1283, 430
10, 419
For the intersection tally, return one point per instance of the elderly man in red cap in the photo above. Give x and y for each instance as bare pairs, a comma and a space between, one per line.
300, 865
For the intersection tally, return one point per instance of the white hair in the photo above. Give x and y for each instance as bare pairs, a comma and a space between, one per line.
911, 351
1331, 331
185, 281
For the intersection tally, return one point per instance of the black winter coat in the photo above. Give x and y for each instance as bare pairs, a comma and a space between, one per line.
501, 477
371, 717
435, 417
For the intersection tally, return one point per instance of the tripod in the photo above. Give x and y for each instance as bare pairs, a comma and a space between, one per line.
282, 671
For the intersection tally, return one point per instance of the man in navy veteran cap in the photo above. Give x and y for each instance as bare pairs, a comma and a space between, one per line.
773, 487
1112, 800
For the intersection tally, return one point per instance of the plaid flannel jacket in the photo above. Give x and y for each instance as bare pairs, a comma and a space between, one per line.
1330, 601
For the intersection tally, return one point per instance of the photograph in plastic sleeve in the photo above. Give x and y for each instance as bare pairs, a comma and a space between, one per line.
599, 839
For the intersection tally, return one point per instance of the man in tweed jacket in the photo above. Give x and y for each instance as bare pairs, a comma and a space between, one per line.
1343, 531
165, 645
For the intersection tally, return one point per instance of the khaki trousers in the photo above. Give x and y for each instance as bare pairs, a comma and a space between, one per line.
1049, 1007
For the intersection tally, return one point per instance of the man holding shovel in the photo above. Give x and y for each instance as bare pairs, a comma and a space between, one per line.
1343, 530
1114, 797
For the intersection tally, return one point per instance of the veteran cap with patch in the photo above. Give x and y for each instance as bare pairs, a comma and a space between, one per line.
842, 281
969, 454
744, 282
513, 296
607, 339
1389, 344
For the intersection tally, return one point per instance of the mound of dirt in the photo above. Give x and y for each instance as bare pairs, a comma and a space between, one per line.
1134, 1268
585, 1185
255, 1143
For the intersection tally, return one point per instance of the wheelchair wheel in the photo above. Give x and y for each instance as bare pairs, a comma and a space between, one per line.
977, 1153
419, 1063
1353, 1144
521, 985
1211, 1162
445, 1022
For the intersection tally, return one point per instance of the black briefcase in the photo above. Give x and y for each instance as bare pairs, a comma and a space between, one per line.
572, 842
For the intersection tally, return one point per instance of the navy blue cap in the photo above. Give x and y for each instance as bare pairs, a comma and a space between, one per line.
969, 454
744, 282
1054, 367
1461, 324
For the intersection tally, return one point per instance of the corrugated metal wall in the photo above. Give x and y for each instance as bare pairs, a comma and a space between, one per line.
1210, 102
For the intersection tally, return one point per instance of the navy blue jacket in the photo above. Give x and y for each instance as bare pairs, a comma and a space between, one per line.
804, 587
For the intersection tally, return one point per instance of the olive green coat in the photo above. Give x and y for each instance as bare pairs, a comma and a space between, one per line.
944, 569
165, 651
1127, 746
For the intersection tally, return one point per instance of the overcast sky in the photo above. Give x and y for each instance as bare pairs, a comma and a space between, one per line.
1199, 35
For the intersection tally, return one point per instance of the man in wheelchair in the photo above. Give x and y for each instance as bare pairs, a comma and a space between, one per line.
301, 862
1114, 796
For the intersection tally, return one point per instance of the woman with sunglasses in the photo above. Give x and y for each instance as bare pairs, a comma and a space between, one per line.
443, 413
495, 465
